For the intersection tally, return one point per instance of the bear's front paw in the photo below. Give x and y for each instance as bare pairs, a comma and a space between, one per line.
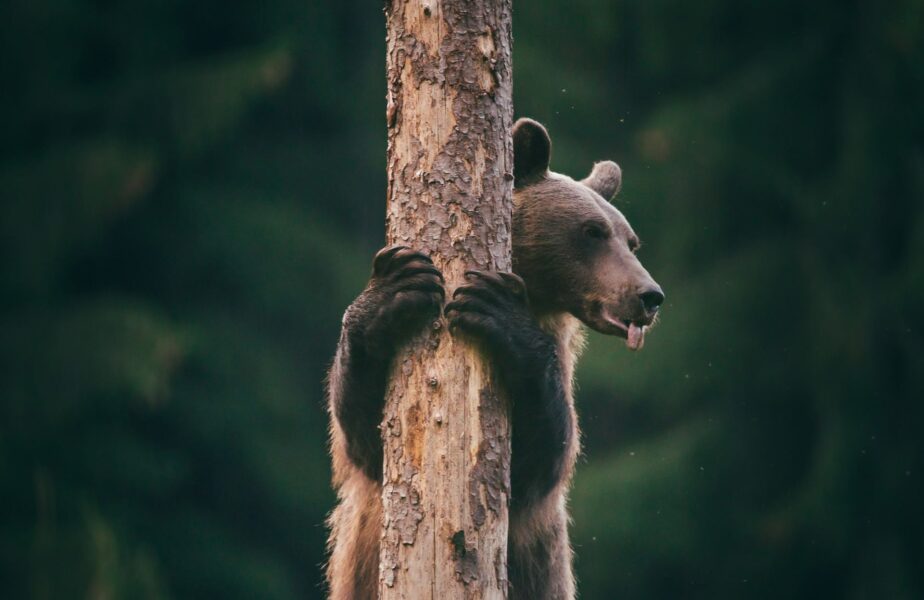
403, 295
493, 309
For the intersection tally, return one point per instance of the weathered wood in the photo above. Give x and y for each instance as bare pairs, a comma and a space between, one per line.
450, 178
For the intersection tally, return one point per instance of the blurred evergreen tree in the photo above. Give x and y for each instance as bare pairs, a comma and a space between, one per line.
766, 442
192, 193
170, 215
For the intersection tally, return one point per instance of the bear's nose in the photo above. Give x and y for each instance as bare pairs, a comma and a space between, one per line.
652, 298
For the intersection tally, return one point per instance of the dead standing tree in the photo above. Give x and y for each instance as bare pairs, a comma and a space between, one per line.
450, 179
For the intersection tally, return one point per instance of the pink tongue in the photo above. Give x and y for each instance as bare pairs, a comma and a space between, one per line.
636, 338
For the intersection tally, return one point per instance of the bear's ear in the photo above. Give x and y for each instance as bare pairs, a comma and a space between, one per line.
605, 179
532, 150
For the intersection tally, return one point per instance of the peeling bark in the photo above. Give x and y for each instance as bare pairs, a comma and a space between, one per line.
450, 176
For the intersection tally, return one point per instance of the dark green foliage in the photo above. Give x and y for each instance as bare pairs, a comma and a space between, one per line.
192, 192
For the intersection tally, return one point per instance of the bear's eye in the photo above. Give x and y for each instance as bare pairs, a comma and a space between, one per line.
596, 231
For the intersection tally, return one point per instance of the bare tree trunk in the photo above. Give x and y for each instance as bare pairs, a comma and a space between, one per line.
450, 179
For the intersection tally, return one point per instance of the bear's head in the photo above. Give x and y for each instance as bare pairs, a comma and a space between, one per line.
574, 250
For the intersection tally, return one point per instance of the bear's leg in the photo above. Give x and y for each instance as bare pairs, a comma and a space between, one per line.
404, 293
493, 309
353, 567
539, 552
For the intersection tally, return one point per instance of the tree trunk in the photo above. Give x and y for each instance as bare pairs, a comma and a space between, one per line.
450, 186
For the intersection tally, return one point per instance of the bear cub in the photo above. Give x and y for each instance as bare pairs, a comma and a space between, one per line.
574, 263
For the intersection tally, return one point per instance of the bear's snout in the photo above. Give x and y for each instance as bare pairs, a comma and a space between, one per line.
651, 298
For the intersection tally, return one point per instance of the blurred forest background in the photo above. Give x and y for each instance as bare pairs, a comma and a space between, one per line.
192, 193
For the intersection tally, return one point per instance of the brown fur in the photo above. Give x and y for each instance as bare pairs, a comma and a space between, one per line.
355, 526
558, 277
539, 548
576, 255
536, 530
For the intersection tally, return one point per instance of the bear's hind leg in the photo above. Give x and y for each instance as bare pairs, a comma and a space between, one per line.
539, 553
353, 568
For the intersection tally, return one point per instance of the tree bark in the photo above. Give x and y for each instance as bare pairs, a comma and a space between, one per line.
450, 185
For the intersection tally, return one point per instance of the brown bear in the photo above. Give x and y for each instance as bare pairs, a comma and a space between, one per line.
574, 259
